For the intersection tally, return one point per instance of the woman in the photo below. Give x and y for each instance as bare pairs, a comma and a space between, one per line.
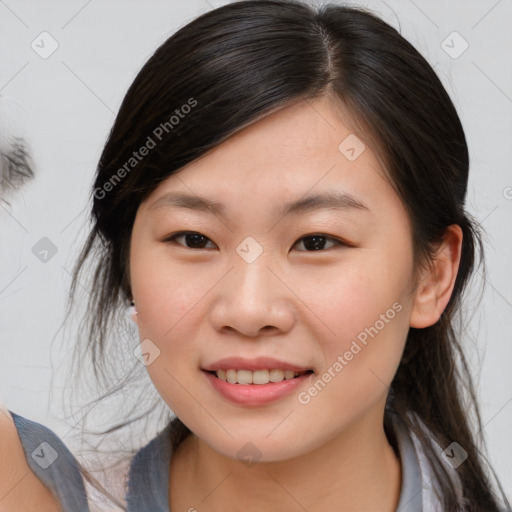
298, 379
254, 135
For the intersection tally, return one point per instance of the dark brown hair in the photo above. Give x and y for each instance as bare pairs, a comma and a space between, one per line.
239, 63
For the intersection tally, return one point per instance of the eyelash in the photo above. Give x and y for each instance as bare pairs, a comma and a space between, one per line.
172, 239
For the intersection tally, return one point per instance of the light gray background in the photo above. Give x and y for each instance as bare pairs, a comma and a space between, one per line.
65, 105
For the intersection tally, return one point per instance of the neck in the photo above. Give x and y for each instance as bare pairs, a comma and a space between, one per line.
358, 471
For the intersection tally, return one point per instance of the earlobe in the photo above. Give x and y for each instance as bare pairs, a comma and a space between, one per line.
436, 283
132, 312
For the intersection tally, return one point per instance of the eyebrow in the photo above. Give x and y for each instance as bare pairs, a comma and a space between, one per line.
328, 200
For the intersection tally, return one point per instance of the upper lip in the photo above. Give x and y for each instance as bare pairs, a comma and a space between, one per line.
258, 363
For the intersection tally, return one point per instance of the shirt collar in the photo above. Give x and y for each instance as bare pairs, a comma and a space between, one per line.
412, 485
148, 479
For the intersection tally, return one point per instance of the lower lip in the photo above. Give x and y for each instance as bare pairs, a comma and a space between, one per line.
256, 394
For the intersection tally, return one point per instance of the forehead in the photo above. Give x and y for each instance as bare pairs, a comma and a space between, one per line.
293, 153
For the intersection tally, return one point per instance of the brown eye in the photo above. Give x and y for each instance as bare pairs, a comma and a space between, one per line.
193, 240
316, 242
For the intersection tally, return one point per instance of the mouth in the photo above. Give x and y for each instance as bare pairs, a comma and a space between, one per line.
256, 388
257, 377
256, 381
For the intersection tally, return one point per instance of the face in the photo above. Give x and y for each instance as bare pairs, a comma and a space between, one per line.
251, 284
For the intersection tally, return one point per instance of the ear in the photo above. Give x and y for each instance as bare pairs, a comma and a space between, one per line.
436, 283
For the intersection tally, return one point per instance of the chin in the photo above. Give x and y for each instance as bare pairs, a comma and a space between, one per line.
252, 449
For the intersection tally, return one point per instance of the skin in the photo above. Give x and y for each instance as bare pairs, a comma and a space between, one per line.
198, 305
20, 489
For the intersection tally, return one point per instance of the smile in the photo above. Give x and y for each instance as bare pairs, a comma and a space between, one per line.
260, 393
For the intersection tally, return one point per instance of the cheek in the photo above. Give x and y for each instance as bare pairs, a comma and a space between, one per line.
169, 298
166, 317
368, 326
165, 291
365, 311
356, 297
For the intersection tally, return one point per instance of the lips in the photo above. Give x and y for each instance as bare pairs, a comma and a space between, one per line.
255, 382
259, 363
256, 395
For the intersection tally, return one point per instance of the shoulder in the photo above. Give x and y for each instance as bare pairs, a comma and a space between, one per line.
20, 488
48, 466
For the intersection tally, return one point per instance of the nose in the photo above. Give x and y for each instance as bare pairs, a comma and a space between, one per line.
252, 300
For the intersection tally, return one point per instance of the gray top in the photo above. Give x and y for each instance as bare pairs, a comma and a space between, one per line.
52, 462
148, 478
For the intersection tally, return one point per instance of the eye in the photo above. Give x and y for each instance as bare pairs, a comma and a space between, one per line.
316, 242
196, 239
313, 242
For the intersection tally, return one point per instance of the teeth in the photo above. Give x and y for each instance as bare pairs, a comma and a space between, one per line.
244, 377
256, 377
